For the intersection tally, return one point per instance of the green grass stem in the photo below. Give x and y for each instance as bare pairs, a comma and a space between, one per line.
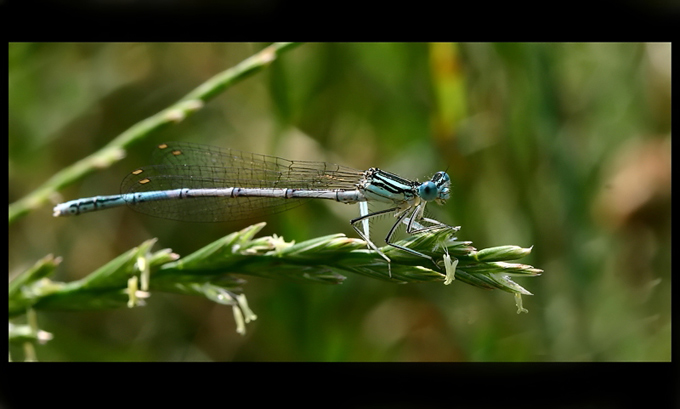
116, 149
210, 271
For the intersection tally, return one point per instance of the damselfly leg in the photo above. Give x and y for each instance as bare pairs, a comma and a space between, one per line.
413, 226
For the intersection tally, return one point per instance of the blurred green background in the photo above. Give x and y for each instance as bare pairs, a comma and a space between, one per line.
565, 147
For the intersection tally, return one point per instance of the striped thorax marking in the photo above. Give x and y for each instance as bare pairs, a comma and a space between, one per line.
387, 187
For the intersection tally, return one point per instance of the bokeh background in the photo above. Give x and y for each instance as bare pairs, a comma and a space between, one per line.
565, 147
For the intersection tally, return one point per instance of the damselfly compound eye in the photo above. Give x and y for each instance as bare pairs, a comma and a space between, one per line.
427, 191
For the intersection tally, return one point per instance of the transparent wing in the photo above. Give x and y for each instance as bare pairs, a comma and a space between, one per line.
186, 165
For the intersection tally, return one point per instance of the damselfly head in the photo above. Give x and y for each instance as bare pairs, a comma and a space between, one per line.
443, 196
427, 191
442, 180
435, 189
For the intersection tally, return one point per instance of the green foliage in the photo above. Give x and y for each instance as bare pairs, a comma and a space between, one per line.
563, 147
208, 271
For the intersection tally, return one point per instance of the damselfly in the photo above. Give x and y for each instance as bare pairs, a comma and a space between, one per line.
200, 183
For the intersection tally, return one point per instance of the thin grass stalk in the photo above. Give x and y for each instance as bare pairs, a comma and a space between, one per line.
211, 271
117, 148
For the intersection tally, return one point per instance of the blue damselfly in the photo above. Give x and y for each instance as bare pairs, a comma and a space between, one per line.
199, 183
